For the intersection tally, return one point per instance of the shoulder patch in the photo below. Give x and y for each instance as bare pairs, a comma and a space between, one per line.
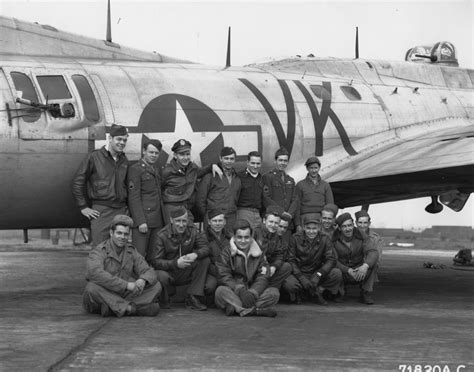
266, 188
131, 185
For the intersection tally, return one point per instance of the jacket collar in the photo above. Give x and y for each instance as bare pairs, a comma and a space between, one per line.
254, 249
171, 234
106, 152
174, 163
111, 252
232, 170
265, 233
211, 235
150, 167
278, 172
309, 179
337, 235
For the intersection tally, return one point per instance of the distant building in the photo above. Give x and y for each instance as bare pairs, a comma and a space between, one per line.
395, 233
435, 232
458, 232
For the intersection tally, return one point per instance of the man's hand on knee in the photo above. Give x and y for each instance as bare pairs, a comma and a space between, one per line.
362, 271
306, 283
140, 285
184, 262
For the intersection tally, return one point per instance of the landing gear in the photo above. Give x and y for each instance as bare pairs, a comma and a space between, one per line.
434, 206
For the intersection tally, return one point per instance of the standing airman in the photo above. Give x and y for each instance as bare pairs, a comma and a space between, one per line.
99, 184
144, 197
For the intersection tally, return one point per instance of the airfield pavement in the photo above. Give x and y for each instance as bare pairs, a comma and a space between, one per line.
422, 320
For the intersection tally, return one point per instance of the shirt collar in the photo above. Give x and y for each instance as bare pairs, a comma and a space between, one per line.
251, 174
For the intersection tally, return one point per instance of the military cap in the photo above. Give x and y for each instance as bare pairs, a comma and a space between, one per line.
118, 130
276, 210
241, 224
281, 151
178, 212
312, 218
214, 212
312, 160
226, 151
343, 218
181, 145
154, 142
361, 213
331, 208
286, 217
121, 219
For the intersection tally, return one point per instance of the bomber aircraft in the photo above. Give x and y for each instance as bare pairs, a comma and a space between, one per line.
385, 131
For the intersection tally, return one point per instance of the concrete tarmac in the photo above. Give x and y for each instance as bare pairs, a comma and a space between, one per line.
422, 321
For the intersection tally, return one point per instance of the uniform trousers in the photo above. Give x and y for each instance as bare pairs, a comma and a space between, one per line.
211, 284
95, 295
251, 216
332, 282
283, 272
144, 243
225, 295
230, 221
367, 284
100, 226
194, 275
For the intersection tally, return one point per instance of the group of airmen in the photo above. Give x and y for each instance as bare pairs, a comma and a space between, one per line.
264, 235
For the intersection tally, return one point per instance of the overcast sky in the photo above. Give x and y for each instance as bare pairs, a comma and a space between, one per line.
267, 29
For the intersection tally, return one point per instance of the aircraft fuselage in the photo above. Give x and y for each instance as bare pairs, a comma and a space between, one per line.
345, 111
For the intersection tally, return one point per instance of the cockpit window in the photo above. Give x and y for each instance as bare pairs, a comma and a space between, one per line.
24, 85
89, 103
351, 93
53, 87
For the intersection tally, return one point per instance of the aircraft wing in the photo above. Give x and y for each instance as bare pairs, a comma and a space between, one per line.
407, 168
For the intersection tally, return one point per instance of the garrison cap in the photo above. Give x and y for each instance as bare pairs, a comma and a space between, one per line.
241, 224
312, 160
178, 212
181, 145
118, 130
154, 142
343, 218
214, 212
226, 151
312, 218
281, 151
361, 213
331, 208
121, 219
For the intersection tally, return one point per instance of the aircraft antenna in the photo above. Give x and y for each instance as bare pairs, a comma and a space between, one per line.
357, 43
108, 37
227, 63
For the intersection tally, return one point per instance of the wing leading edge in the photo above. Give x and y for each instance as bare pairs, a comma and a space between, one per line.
417, 167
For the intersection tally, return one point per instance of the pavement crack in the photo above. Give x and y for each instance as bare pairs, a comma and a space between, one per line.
73, 352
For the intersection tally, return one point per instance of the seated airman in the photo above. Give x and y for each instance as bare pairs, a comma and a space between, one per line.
357, 257
243, 286
120, 281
